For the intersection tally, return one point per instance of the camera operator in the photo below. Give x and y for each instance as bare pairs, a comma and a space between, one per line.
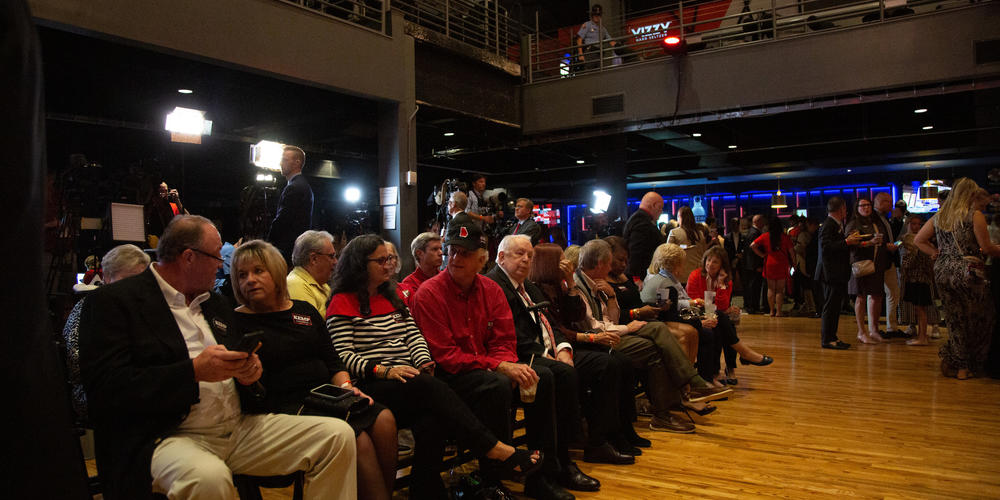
160, 209
478, 207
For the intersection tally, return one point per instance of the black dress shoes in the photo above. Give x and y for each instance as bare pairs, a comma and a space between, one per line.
624, 447
836, 344
572, 478
606, 454
766, 360
541, 488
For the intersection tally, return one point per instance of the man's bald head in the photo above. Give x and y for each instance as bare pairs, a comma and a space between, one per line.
758, 221
652, 203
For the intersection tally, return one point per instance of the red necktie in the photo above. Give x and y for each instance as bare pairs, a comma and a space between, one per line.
547, 327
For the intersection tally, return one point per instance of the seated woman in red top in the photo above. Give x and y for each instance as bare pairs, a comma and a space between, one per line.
714, 276
775, 247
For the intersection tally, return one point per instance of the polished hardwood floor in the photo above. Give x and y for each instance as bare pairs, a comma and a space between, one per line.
875, 421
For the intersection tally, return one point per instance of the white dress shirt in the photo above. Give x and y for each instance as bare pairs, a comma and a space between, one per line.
218, 401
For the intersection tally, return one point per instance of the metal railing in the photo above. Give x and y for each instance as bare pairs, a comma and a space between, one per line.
482, 24
368, 14
705, 25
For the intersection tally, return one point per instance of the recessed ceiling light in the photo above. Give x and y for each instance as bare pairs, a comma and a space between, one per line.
696, 134
920, 110
928, 127
732, 146
185, 91
449, 134
579, 162
848, 170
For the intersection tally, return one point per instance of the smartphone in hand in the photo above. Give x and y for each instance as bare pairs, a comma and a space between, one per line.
250, 342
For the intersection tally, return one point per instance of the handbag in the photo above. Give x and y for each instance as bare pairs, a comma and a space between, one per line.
339, 408
865, 267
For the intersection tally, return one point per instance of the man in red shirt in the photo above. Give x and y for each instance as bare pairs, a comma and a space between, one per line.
469, 328
426, 250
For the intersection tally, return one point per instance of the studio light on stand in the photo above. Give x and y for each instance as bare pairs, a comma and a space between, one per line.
602, 200
187, 125
352, 195
778, 200
267, 155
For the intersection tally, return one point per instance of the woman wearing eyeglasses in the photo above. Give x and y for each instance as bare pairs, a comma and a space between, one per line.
384, 350
298, 355
870, 287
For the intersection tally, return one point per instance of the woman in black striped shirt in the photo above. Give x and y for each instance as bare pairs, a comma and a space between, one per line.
383, 349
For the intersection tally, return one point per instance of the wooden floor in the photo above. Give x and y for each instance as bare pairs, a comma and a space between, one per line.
870, 422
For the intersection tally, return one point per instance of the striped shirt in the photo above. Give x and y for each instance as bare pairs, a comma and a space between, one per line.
384, 338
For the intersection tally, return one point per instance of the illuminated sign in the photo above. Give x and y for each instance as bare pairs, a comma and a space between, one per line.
650, 31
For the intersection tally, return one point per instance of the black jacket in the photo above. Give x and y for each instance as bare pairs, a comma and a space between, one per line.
529, 333
294, 215
138, 376
530, 228
642, 237
834, 263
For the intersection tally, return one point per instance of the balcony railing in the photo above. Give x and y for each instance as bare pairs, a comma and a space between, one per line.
705, 25
368, 14
481, 24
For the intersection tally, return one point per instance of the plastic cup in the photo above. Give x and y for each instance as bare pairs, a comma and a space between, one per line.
528, 393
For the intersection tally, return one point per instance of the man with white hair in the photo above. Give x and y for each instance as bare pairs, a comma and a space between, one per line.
427, 254
641, 235
314, 259
553, 423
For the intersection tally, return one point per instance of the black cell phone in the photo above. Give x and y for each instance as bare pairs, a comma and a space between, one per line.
248, 343
332, 392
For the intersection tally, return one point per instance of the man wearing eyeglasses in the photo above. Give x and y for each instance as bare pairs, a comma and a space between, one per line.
164, 393
314, 259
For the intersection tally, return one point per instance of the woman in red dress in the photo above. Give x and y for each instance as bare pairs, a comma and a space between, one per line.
775, 247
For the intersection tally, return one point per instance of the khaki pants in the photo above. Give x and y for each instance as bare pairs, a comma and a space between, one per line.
891, 299
201, 465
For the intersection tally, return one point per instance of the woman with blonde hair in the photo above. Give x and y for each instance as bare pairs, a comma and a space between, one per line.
960, 273
299, 356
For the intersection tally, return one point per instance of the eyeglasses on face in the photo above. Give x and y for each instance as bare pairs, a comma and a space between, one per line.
206, 254
330, 255
383, 260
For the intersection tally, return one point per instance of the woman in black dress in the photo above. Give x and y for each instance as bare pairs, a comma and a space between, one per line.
298, 355
870, 288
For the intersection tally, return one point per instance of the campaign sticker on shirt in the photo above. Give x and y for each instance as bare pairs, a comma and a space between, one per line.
302, 319
397, 317
406, 293
219, 325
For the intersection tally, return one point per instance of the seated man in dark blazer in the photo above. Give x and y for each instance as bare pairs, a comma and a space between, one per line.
550, 351
525, 221
833, 269
164, 394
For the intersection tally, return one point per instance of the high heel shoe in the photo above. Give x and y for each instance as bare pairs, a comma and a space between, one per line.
764, 361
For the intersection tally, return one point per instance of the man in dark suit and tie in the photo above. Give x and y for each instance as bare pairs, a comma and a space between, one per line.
525, 221
164, 394
554, 421
294, 215
833, 269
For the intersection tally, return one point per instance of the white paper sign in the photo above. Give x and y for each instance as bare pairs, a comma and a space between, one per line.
389, 217
388, 195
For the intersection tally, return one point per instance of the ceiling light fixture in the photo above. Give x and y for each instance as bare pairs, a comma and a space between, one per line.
778, 200
920, 110
928, 127
732, 146
449, 134
696, 134
580, 162
929, 189
185, 91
